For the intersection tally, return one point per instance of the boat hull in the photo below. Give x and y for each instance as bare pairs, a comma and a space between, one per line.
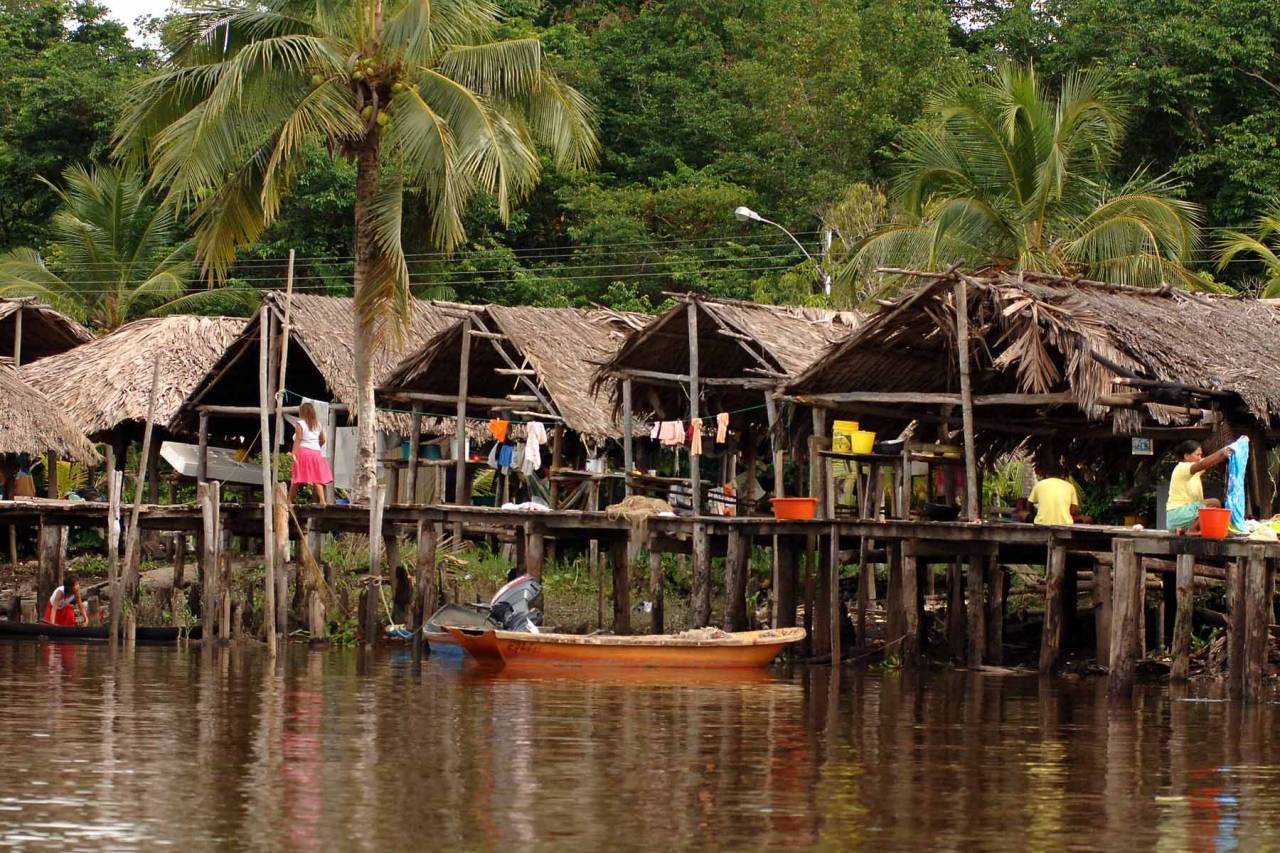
748, 650
43, 630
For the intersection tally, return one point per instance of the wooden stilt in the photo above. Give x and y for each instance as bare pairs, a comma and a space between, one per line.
1051, 636
810, 574
910, 604
424, 582
971, 503
534, 548
51, 558
280, 506
268, 481
208, 495
628, 439
131, 550
997, 580
1257, 620
1182, 624
977, 621
374, 600
866, 590
202, 459
737, 554
415, 444
461, 494
1126, 565
115, 485
656, 592
836, 602
894, 626
785, 592
621, 586
1102, 612
955, 610
695, 479
822, 626
701, 605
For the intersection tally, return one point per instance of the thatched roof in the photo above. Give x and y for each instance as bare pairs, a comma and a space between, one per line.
760, 344
1103, 350
563, 346
321, 353
107, 382
45, 332
31, 423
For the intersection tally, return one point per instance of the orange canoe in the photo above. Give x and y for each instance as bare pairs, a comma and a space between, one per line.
691, 650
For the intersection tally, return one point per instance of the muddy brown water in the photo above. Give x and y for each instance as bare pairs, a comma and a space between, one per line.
206, 749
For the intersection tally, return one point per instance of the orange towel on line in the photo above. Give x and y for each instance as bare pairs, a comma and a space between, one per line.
498, 428
695, 438
722, 427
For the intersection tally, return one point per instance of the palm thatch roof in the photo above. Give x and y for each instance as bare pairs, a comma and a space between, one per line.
45, 332
1046, 348
106, 383
759, 345
321, 361
563, 347
31, 423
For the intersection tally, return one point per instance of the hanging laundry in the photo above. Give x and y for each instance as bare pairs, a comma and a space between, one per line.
695, 438
1237, 466
535, 437
722, 427
498, 428
505, 454
669, 433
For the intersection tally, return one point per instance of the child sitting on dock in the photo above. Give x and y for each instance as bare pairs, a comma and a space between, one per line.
1186, 491
61, 609
310, 468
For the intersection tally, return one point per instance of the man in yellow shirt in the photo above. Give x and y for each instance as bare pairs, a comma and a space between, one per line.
1055, 498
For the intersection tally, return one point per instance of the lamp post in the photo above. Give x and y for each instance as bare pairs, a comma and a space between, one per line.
746, 214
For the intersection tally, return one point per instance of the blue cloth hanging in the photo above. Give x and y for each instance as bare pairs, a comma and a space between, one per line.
1237, 465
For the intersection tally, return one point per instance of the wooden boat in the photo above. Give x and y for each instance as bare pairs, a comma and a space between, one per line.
691, 650
43, 630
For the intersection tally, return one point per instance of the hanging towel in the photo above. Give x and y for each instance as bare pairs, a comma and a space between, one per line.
722, 427
505, 454
1237, 466
671, 433
535, 437
498, 428
695, 438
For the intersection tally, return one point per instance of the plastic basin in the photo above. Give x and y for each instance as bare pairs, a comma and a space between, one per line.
862, 442
795, 507
1214, 522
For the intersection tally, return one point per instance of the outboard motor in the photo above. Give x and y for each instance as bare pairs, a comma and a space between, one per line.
513, 607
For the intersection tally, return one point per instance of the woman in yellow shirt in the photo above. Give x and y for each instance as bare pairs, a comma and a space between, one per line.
1186, 492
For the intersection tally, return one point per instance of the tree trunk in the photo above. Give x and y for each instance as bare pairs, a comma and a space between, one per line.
366, 261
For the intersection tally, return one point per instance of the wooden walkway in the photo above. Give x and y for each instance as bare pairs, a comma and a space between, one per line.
810, 556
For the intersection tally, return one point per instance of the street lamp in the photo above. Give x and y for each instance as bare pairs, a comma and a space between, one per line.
746, 214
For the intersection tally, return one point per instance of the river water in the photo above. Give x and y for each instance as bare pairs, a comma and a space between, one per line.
343, 750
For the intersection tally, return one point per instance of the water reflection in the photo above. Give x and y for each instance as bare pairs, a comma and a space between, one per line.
342, 750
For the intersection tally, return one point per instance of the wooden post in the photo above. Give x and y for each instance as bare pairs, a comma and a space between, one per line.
784, 594
971, 502
701, 605
737, 555
1124, 609
115, 485
153, 474
1257, 608
415, 443
17, 339
1182, 623
817, 478
268, 480
278, 391
810, 573
893, 607
52, 559
374, 587
208, 496
280, 506
331, 451
977, 622
781, 551
995, 610
955, 610
821, 599
621, 586
534, 548
656, 592
695, 478
557, 462
628, 440
424, 599
202, 462
836, 603
1102, 588
131, 555
1051, 636
910, 603
460, 491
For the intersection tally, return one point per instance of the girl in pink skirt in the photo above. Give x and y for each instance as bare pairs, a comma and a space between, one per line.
309, 465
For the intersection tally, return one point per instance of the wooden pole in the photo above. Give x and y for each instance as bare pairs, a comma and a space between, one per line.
972, 506
1182, 623
208, 496
280, 506
977, 621
836, 603
131, 555
268, 481
202, 462
737, 556
995, 608
415, 443
374, 589
534, 548
701, 609
955, 610
424, 600
460, 431
1051, 636
911, 604
628, 440
784, 594
331, 451
1102, 612
656, 592
278, 392
695, 478
1257, 607
115, 481
17, 339
621, 586
1124, 612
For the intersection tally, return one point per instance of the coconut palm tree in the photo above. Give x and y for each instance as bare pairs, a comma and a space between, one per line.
116, 253
419, 93
1007, 175
1236, 243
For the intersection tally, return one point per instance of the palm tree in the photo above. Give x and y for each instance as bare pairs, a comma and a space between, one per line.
1238, 242
417, 92
1006, 175
116, 254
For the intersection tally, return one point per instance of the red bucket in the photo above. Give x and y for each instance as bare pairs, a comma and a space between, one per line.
795, 507
1214, 522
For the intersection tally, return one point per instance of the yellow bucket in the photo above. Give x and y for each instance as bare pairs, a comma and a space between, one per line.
862, 442
842, 433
